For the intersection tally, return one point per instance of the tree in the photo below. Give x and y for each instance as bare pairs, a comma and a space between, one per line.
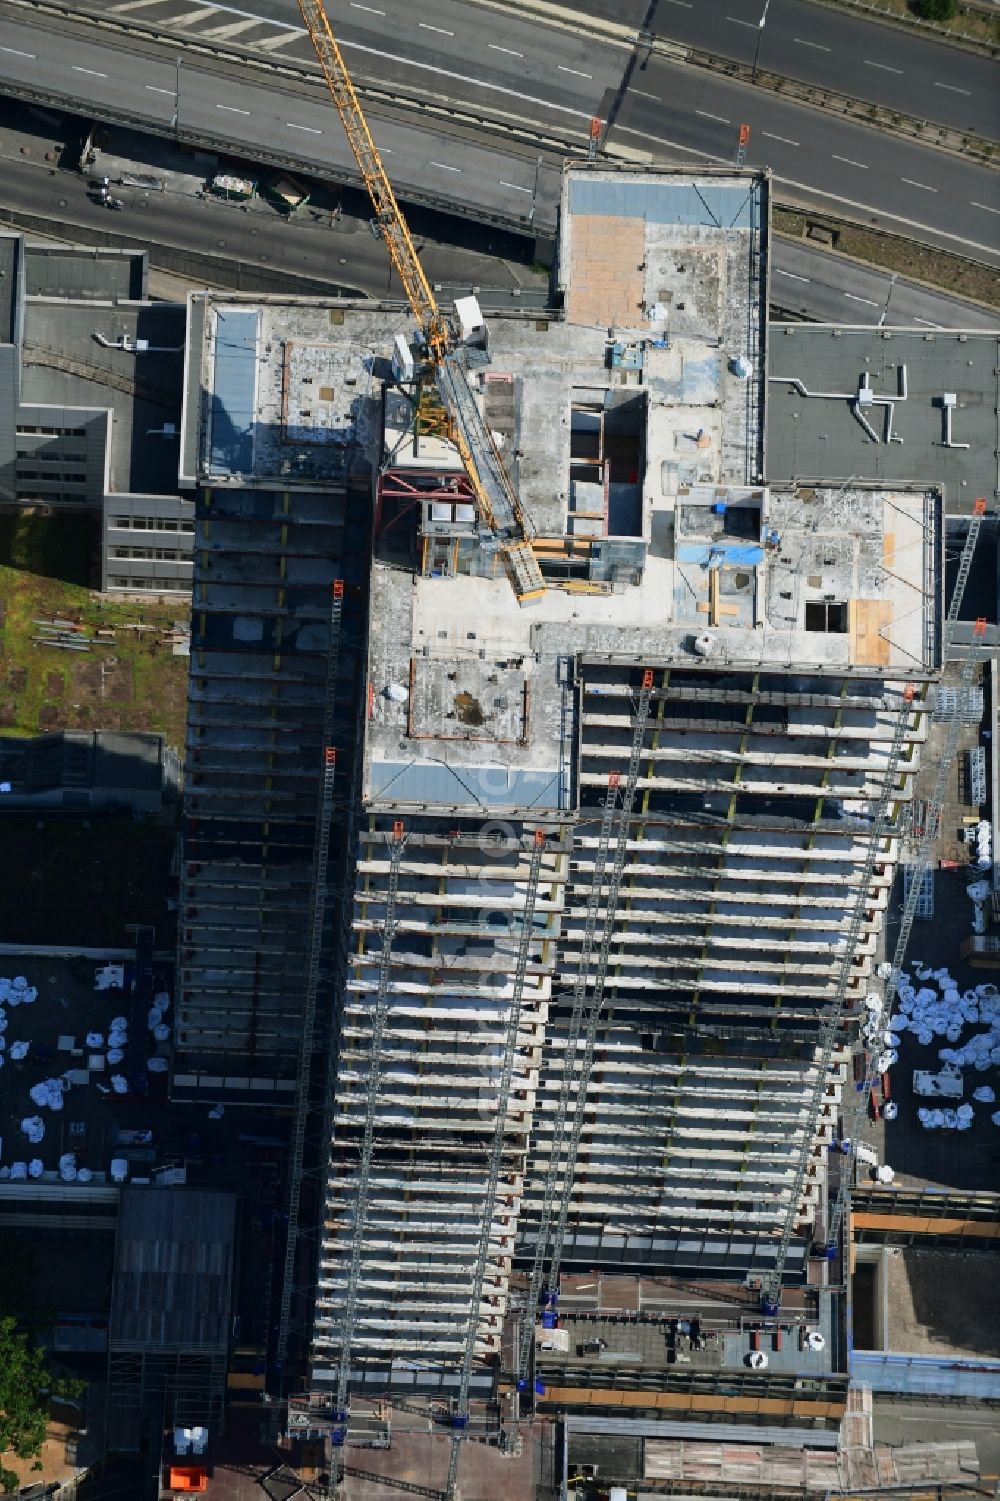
25, 1383
934, 10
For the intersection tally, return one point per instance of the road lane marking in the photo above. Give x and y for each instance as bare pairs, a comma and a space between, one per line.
706, 116
884, 67
953, 90
513, 186
441, 30
92, 71
986, 206
738, 21
151, 87
444, 167
862, 165
811, 187
816, 45
655, 97
16, 52
790, 274
449, 73
579, 74
787, 140
684, 4
927, 323
509, 50
866, 300
291, 125
232, 109
356, 5
910, 183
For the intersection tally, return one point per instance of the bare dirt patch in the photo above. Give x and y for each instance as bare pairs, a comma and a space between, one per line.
943, 1302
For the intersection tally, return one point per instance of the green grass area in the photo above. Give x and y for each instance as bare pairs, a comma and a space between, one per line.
970, 23
132, 683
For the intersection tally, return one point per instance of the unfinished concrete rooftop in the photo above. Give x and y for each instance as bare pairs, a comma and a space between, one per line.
742, 655
465, 685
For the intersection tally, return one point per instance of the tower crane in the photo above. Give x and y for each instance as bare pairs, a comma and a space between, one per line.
498, 506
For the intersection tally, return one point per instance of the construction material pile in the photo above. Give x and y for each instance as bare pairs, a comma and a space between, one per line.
941, 1009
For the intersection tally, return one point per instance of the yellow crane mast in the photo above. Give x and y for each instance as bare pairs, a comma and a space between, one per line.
497, 502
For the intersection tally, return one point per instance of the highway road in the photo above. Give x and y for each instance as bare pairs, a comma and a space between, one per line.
817, 44
830, 48
895, 183
805, 279
830, 289
544, 81
344, 257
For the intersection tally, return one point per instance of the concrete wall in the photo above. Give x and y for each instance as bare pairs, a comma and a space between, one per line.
62, 455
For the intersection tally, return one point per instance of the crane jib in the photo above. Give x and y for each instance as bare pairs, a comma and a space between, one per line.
497, 503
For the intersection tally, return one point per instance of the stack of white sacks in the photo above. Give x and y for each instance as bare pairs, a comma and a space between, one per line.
49, 1093
942, 1010
160, 1030
13, 992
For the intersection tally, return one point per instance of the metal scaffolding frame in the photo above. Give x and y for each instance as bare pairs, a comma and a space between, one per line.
587, 997
318, 897
460, 1414
380, 1011
854, 1120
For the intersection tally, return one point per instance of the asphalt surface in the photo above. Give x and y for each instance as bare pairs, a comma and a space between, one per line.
830, 48
540, 79
805, 280
893, 182
828, 289
141, 81
343, 257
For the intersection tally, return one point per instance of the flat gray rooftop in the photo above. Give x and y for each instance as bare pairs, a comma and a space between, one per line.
85, 272
173, 1269
64, 364
816, 436
281, 389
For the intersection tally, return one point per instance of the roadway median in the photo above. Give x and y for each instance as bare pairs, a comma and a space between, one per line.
967, 144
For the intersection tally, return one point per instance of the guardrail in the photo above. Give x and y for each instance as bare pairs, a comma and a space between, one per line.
542, 225
893, 122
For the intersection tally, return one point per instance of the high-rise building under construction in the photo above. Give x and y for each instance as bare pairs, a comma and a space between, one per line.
580, 922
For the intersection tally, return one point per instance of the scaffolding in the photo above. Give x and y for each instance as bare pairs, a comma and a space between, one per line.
314, 945
881, 830
588, 995
380, 1011
854, 1120
460, 1415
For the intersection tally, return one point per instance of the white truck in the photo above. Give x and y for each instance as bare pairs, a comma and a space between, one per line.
947, 1084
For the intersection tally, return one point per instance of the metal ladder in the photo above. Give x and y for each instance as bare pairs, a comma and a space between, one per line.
314, 947
572, 1073
379, 1013
460, 1416
854, 1122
